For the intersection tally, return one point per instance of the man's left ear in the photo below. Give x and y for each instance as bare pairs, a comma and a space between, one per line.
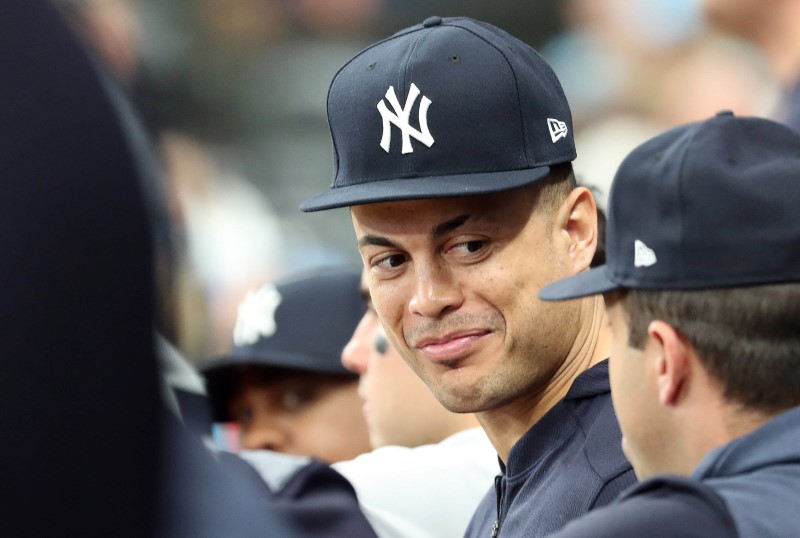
577, 227
672, 366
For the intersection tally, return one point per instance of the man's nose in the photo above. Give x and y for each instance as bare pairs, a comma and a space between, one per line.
268, 437
355, 355
436, 292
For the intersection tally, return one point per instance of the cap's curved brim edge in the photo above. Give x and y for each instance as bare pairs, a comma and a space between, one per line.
592, 282
416, 188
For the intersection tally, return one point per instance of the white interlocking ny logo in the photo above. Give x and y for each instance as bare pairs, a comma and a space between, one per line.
400, 118
256, 317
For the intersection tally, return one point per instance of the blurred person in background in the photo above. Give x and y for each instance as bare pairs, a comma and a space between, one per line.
774, 27
80, 221
429, 467
653, 64
282, 382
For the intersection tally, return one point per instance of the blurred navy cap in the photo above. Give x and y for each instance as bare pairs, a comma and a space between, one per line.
711, 204
449, 107
301, 323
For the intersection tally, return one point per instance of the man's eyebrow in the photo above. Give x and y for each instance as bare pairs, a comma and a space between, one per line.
436, 232
375, 240
448, 226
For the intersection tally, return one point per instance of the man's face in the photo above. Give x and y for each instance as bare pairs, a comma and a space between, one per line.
399, 408
634, 393
455, 282
300, 413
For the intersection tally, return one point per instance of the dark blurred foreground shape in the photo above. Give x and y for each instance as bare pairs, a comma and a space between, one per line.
78, 375
88, 448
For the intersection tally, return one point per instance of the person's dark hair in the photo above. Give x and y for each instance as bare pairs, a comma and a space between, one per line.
748, 339
555, 187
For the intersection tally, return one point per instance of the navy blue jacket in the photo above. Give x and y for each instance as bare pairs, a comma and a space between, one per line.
568, 463
749, 487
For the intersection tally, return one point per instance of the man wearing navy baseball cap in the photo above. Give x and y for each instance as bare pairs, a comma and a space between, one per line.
702, 287
282, 382
453, 147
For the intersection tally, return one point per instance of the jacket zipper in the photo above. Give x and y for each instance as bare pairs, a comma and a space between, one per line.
499, 490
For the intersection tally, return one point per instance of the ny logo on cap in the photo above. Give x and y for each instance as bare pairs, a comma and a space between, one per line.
643, 256
558, 129
257, 316
400, 118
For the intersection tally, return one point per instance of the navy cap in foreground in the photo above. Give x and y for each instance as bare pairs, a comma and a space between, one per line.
712, 204
449, 107
302, 323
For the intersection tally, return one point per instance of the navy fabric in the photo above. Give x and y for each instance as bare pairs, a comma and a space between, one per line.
318, 501
758, 475
664, 507
78, 379
222, 495
88, 448
568, 463
749, 487
495, 111
706, 205
790, 107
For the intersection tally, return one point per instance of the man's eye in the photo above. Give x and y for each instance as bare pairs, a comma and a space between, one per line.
470, 247
243, 416
391, 262
474, 246
296, 399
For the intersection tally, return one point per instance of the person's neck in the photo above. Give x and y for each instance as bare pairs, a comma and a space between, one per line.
507, 424
705, 421
723, 425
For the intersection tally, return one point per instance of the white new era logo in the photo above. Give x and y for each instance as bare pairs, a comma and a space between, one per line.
558, 129
643, 256
400, 118
257, 316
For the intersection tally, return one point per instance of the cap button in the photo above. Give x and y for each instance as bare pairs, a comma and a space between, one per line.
724, 113
432, 21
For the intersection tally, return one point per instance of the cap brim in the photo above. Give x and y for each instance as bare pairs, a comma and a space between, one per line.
219, 377
388, 190
591, 282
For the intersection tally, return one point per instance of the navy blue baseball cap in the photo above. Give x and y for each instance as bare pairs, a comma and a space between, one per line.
449, 107
301, 323
712, 204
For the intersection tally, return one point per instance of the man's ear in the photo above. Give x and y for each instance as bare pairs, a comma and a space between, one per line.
577, 227
670, 354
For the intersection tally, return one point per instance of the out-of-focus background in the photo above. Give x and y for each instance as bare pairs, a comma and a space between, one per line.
233, 93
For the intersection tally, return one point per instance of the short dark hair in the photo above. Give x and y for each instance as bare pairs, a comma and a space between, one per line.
554, 189
748, 339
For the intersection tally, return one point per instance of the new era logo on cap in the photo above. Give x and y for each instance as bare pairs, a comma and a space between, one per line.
558, 129
400, 118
